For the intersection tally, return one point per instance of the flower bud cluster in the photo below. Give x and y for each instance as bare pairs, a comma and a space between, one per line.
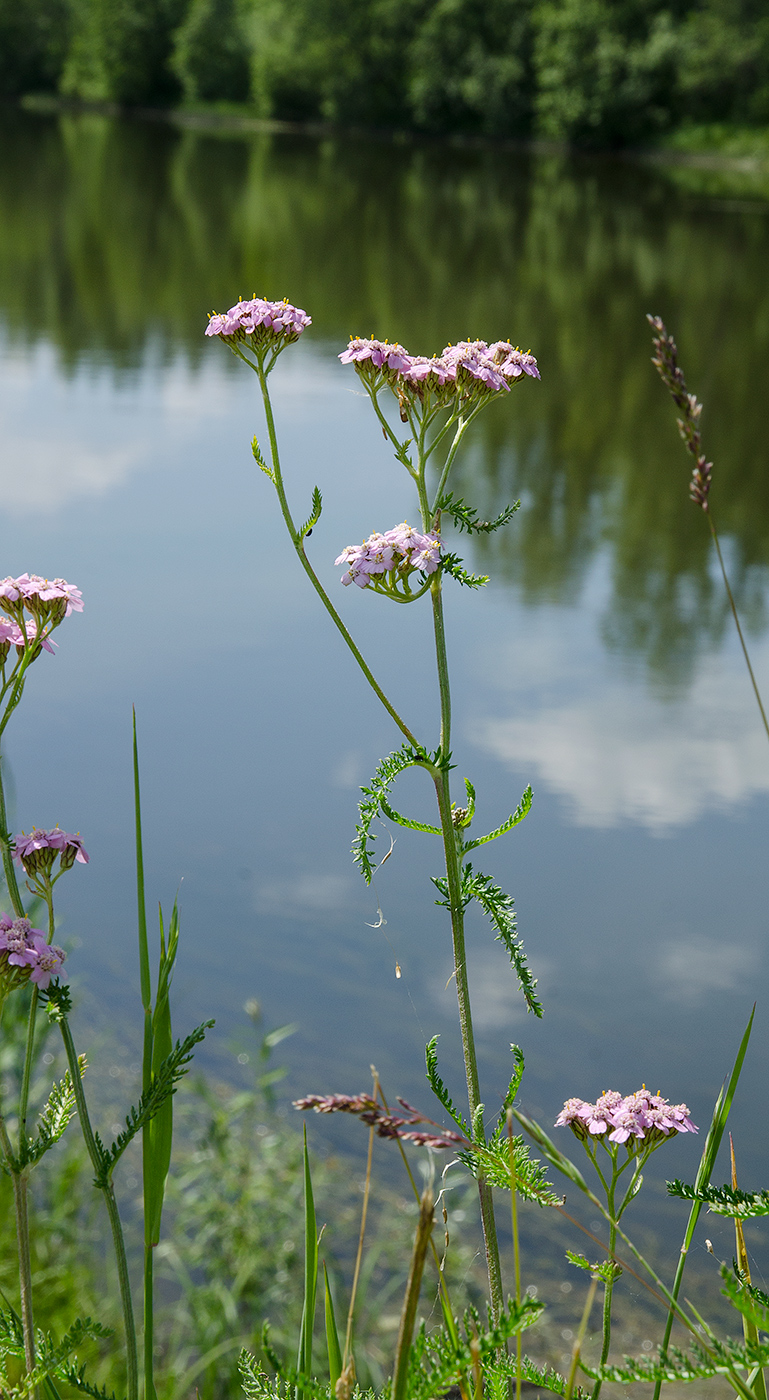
471, 367
33, 606
639, 1118
259, 322
398, 552
39, 851
386, 1124
25, 956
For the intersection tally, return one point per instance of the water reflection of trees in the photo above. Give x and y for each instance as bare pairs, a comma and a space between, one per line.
117, 236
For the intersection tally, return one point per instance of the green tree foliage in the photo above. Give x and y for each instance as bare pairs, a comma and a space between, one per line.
606, 70
600, 73
121, 51
471, 67
210, 56
34, 36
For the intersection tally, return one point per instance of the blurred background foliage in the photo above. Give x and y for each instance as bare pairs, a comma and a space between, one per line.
590, 72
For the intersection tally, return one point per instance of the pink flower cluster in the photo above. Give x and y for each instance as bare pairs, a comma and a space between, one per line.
41, 596
402, 550
25, 954
469, 365
12, 635
34, 604
264, 320
641, 1117
40, 849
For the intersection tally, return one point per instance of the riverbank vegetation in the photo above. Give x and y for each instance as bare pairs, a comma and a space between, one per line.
600, 73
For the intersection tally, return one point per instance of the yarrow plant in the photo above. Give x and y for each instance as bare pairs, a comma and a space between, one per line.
425, 405
638, 1123
438, 398
33, 608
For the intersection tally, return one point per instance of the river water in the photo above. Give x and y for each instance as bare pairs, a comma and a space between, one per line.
600, 664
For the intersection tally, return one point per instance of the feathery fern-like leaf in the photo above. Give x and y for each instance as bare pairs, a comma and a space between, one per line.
452, 565
724, 1200
314, 516
521, 811
170, 1071
466, 517
439, 1088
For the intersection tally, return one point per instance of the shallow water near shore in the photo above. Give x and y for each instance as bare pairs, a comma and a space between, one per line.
600, 663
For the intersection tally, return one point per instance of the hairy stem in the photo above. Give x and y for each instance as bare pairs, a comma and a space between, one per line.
609, 1285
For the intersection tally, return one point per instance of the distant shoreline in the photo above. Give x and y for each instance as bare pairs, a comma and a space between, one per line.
712, 147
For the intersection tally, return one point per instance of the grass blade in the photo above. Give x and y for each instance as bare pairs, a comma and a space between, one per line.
304, 1360
716, 1131
332, 1336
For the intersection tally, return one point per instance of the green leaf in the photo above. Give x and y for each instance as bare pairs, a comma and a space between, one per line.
466, 517
332, 1336
452, 565
499, 908
54, 1117
370, 803
158, 1130
315, 513
521, 811
260, 462
555, 1157
394, 816
439, 1088
724, 1200
492, 1159
304, 1359
173, 1068
606, 1269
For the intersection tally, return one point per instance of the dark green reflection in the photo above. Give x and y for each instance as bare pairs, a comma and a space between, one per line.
120, 236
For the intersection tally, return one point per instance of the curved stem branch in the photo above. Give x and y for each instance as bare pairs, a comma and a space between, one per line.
298, 544
735, 615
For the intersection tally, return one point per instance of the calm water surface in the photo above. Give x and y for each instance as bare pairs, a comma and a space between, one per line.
600, 664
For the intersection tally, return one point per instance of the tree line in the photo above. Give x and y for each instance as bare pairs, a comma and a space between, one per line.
591, 72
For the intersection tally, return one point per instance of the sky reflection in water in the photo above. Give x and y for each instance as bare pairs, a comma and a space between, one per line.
599, 664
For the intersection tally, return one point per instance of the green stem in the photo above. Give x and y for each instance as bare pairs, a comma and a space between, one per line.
19, 1179
30, 1046
609, 1285
733, 606
107, 1189
457, 913
8, 865
516, 1248
149, 1324
298, 544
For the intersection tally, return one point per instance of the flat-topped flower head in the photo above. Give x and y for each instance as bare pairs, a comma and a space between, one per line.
378, 354
397, 553
260, 323
469, 370
32, 607
640, 1118
25, 956
38, 851
512, 361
